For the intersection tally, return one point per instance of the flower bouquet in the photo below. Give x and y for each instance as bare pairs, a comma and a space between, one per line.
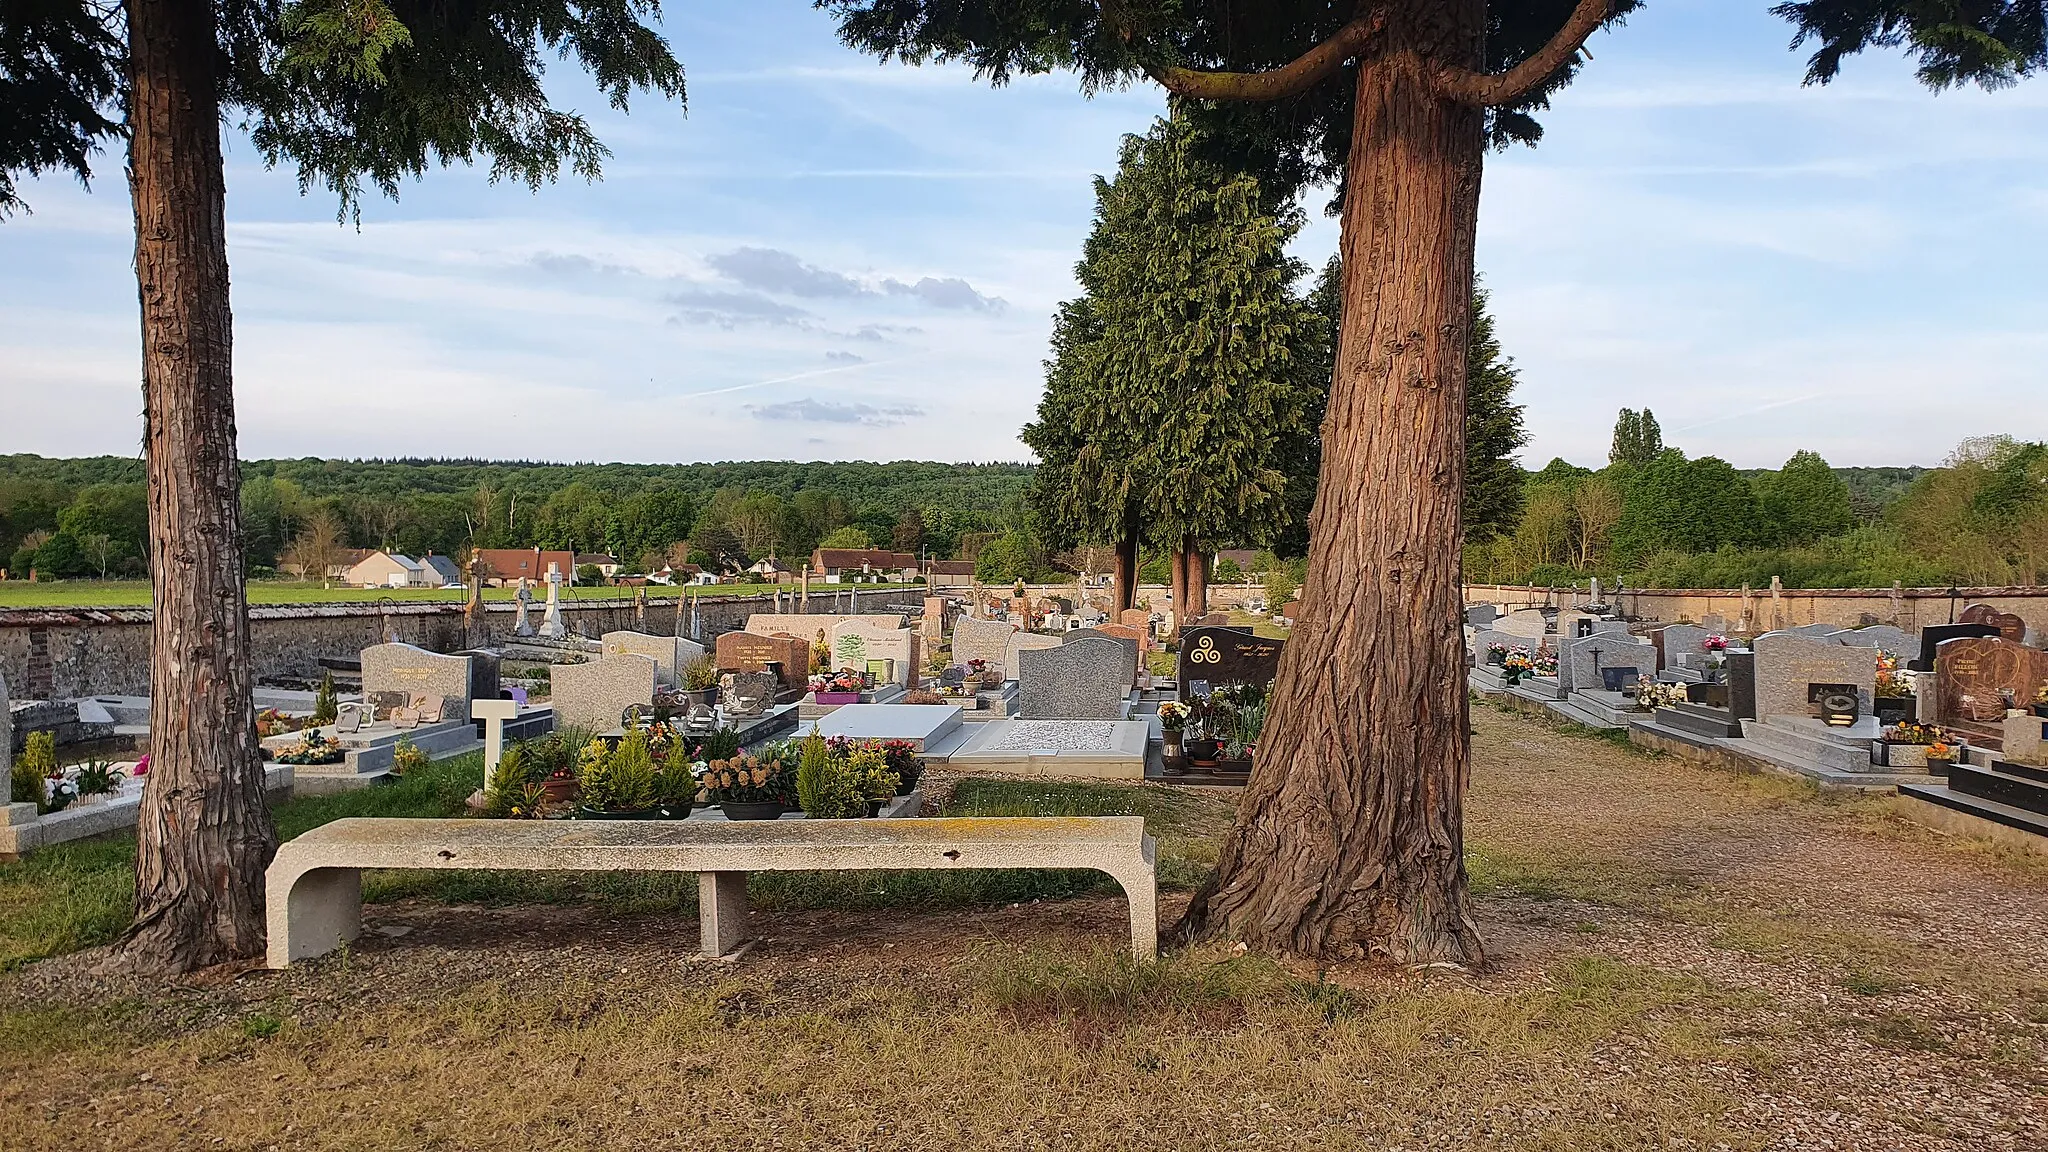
839, 687
313, 748
747, 788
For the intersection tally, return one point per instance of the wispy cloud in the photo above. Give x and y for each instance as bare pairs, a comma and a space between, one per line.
812, 411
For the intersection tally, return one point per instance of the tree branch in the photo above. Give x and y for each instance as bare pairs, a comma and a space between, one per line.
1493, 90
1298, 75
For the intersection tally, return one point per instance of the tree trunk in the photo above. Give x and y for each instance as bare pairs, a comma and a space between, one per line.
1179, 561
1197, 563
204, 834
1124, 580
1349, 841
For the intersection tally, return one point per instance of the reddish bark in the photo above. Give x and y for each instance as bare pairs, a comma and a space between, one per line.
204, 834
1349, 841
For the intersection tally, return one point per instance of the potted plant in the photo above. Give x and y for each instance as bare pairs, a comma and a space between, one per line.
96, 782
313, 748
838, 688
1517, 667
873, 778
905, 762
1496, 654
1173, 721
1941, 757
746, 788
700, 680
620, 784
1203, 747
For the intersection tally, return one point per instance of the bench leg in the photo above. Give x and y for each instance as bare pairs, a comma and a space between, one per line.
721, 911
321, 911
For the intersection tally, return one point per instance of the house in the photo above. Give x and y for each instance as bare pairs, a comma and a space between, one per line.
950, 573
863, 565
393, 570
1245, 559
505, 566
771, 571
604, 562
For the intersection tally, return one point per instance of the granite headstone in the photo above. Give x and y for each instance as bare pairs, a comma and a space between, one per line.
671, 654
987, 640
2011, 627
1481, 615
1231, 656
747, 652
1021, 642
596, 695
1896, 641
1934, 636
1088, 679
1581, 660
393, 673
1790, 662
1975, 679
1524, 622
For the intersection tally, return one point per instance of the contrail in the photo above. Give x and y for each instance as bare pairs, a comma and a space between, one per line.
789, 379
1751, 412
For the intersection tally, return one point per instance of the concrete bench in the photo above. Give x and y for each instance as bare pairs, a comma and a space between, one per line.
315, 884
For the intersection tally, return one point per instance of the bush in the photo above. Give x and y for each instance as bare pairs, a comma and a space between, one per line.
326, 706
37, 763
624, 780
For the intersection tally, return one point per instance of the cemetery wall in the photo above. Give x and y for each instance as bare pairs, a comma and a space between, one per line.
62, 654
1909, 608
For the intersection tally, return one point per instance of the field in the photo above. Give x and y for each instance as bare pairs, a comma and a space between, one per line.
135, 593
1679, 958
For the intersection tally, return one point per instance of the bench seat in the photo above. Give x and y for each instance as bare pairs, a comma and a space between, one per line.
314, 885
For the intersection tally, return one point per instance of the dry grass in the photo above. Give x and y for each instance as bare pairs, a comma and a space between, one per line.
1682, 958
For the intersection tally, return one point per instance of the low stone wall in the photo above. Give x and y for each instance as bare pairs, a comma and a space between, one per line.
61, 654
1908, 608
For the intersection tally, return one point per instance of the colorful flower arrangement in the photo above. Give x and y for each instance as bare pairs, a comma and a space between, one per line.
843, 681
1496, 653
1892, 684
1652, 694
1715, 644
1173, 716
1911, 733
1518, 662
1941, 751
313, 748
747, 780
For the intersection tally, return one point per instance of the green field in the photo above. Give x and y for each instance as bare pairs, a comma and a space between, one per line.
135, 593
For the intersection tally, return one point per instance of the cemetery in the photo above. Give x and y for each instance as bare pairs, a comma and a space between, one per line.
750, 648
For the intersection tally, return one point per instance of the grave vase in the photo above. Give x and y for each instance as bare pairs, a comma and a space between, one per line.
1173, 757
738, 810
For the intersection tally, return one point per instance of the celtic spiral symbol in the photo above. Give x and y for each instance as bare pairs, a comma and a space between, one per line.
1205, 652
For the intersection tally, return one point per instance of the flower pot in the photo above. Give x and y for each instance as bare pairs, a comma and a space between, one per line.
2041, 710
561, 791
1234, 767
737, 810
838, 697
1497, 659
679, 810
1939, 767
875, 807
1512, 677
1202, 753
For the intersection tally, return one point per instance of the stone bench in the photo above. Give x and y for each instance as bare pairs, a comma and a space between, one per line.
314, 885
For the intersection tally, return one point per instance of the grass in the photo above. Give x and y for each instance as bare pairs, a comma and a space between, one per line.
77, 895
136, 593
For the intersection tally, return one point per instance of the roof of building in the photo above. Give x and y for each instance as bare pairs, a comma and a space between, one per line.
442, 567
830, 558
583, 558
506, 563
952, 567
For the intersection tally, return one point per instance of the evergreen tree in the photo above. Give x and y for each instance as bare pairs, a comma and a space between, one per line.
1804, 502
1637, 439
348, 91
1493, 431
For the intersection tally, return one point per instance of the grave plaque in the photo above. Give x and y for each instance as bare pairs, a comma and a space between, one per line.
2008, 625
855, 643
1684, 640
1882, 636
1481, 615
1790, 663
671, 654
1975, 679
1934, 636
392, 673
596, 695
1230, 656
987, 640
1581, 661
1088, 679
1021, 642
1838, 704
747, 694
746, 652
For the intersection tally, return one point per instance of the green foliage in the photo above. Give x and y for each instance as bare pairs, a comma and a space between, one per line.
62, 70
1279, 589
1804, 501
623, 780
326, 705
1228, 572
1007, 558
815, 779
36, 763
506, 788
847, 537
1990, 43
1493, 430
1670, 503
1182, 372
1637, 439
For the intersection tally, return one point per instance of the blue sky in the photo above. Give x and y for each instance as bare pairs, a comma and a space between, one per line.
826, 258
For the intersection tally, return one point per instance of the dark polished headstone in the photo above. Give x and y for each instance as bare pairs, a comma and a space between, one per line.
1226, 656
1742, 683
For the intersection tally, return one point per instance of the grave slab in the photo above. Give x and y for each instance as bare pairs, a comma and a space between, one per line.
924, 725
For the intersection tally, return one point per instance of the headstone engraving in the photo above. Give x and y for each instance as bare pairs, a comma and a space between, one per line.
1230, 656
392, 673
2011, 627
596, 695
1088, 679
855, 643
746, 652
671, 654
1977, 679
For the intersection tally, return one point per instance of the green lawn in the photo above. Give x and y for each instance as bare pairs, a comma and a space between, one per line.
135, 593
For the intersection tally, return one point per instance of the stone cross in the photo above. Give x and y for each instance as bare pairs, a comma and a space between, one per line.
493, 713
523, 626
640, 608
551, 625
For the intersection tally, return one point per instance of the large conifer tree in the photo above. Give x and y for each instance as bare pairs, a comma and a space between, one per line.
346, 90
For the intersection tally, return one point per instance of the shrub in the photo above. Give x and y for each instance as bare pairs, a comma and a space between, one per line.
623, 781
326, 706
37, 763
700, 674
407, 757
827, 787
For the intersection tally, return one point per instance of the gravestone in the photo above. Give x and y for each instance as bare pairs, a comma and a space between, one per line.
1715, 623
987, 640
1025, 642
1233, 656
856, 642
2009, 626
744, 695
1088, 679
1481, 615
2026, 740
1975, 678
1132, 646
596, 695
746, 652
551, 624
1581, 660
810, 625
671, 654
1741, 683
1141, 635
1611, 628
1135, 618
1790, 662
1817, 630
1684, 645
392, 673
1572, 623
524, 625
1934, 636
6, 734
1896, 641
1486, 638
1526, 622
483, 673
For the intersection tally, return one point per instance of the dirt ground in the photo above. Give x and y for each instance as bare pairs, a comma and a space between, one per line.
1679, 958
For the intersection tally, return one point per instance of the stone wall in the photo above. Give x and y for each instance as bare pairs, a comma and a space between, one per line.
67, 653
1908, 608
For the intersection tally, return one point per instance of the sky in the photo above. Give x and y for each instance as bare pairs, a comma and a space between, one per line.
827, 258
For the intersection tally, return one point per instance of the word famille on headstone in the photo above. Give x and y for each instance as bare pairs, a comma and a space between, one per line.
1229, 656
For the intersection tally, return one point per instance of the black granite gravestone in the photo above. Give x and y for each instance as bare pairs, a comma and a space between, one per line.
1932, 636
1226, 656
1742, 683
